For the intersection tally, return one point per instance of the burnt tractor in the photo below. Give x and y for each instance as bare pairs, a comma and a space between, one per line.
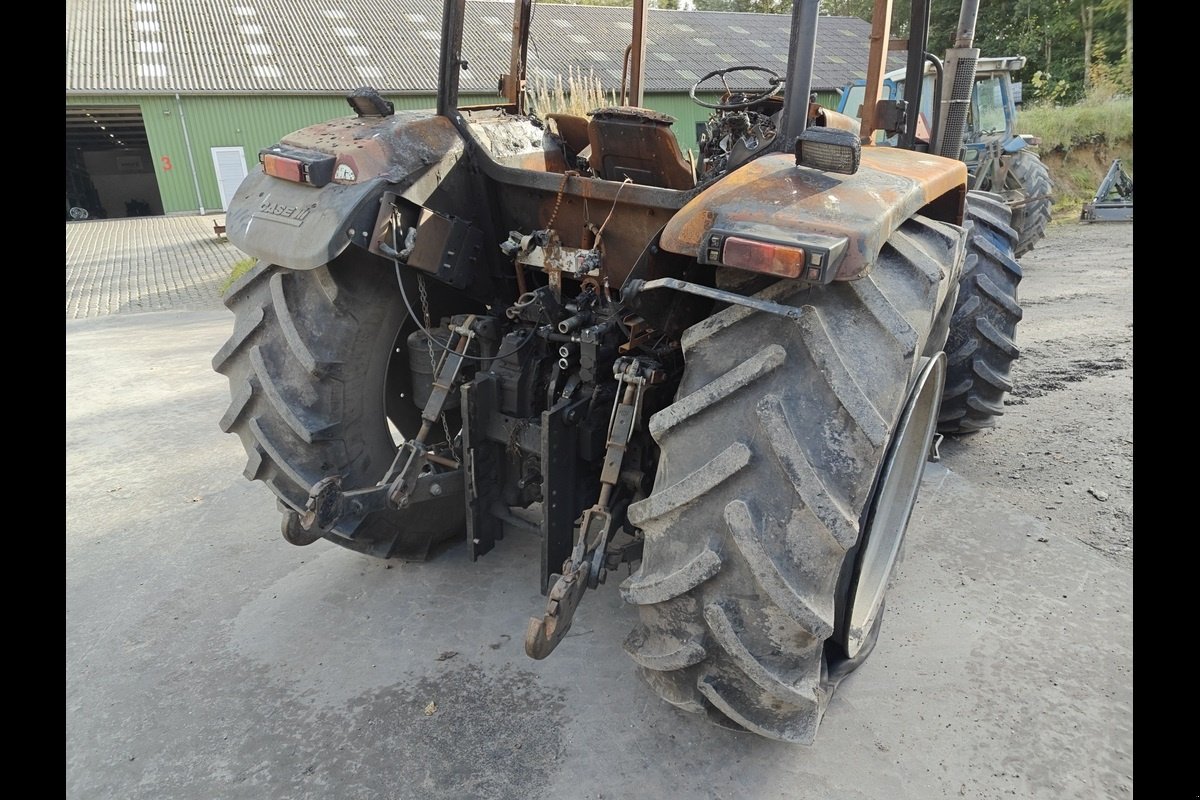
729, 377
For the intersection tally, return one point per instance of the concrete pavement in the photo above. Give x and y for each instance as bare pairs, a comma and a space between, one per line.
208, 658
145, 264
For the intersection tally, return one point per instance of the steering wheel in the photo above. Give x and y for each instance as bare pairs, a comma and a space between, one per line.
775, 81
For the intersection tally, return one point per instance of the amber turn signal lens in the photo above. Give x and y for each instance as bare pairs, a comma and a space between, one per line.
286, 168
773, 259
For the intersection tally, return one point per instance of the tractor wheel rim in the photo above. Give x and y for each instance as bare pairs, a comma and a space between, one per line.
895, 497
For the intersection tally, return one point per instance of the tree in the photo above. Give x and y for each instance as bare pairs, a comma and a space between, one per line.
754, 6
1048, 33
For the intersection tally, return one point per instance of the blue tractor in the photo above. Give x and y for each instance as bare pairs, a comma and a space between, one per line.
998, 159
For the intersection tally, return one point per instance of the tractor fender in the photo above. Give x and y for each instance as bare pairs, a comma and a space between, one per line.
300, 226
1014, 144
772, 199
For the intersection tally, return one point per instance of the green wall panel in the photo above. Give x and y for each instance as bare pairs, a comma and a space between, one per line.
251, 123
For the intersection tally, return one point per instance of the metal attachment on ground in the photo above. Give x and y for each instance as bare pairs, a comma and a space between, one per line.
586, 567
1114, 198
935, 448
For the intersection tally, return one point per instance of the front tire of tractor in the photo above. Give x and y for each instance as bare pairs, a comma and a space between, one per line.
317, 366
1028, 174
981, 347
770, 458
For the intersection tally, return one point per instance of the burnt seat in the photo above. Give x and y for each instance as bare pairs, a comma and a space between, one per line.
572, 129
637, 143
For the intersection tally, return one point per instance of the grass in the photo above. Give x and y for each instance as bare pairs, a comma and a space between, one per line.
1062, 128
1079, 143
240, 268
581, 94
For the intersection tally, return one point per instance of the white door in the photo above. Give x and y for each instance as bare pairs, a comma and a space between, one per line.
230, 166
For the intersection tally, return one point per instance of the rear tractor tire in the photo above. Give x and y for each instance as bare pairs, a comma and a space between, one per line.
317, 366
982, 347
790, 462
1028, 175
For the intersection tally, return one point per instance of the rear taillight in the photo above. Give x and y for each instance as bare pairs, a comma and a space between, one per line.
773, 259
289, 169
808, 256
315, 169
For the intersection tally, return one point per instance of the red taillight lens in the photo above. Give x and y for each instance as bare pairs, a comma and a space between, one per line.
289, 169
774, 259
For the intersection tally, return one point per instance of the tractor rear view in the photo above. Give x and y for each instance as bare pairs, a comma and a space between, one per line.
730, 376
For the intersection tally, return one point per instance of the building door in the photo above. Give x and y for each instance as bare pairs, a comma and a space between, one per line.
230, 166
110, 169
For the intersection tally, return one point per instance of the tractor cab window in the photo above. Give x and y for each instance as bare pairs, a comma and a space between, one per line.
852, 104
987, 108
925, 118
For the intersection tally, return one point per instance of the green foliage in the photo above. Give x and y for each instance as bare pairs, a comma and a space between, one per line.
590, 2
1049, 33
848, 8
1048, 91
1092, 121
240, 268
1107, 81
755, 6
1078, 144
664, 4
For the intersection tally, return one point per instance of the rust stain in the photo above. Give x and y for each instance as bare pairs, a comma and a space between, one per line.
372, 146
771, 195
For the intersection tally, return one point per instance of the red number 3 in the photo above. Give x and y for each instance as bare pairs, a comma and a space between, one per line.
166, 163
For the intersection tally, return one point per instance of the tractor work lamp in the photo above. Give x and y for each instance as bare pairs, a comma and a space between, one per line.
367, 102
829, 150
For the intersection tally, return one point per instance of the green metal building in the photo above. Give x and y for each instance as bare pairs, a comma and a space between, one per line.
168, 104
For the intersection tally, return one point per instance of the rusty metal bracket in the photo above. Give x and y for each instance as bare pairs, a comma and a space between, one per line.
587, 568
407, 479
543, 635
1114, 198
637, 286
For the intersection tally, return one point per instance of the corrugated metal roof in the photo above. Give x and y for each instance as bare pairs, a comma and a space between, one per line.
334, 46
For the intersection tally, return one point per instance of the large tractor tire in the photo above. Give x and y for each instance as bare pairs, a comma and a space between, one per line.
1029, 176
317, 365
758, 532
981, 346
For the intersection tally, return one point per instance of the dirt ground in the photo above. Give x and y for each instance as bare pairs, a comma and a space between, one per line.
1063, 451
206, 657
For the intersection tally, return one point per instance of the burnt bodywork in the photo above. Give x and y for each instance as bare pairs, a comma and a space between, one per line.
555, 338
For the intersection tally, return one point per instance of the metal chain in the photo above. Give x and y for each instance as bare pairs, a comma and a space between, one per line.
558, 200
433, 358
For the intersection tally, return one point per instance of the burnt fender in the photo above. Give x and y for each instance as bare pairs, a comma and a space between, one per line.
773, 199
299, 226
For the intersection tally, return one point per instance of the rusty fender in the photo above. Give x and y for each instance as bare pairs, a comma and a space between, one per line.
772, 198
301, 227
